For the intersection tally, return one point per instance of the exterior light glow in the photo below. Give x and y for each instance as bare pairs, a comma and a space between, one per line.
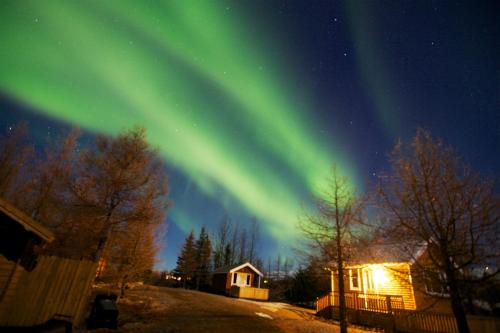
379, 275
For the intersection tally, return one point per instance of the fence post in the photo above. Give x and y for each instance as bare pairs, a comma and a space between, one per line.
389, 305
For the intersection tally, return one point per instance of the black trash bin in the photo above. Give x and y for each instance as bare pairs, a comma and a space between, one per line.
104, 313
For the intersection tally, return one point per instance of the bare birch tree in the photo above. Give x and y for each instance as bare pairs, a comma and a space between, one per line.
122, 182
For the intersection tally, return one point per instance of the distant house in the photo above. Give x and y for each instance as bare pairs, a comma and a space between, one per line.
242, 281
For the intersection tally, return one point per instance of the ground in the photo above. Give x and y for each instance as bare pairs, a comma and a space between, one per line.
169, 310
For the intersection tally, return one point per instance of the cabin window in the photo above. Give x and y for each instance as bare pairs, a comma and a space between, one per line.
235, 276
248, 280
434, 284
354, 279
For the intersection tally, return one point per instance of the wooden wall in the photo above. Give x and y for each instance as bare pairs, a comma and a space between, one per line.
57, 287
10, 273
399, 283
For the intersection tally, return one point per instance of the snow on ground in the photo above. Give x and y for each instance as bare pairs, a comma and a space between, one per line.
263, 315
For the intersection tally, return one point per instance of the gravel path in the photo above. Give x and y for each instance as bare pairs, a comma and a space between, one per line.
167, 310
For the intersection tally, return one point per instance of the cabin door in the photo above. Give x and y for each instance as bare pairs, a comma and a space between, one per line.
242, 279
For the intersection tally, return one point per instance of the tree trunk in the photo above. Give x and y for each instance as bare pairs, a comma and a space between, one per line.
340, 265
103, 240
342, 305
456, 301
122, 287
458, 309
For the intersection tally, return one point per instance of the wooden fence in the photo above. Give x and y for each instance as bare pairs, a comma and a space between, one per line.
419, 321
56, 288
375, 313
250, 292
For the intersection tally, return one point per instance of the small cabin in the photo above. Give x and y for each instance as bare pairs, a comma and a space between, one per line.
241, 281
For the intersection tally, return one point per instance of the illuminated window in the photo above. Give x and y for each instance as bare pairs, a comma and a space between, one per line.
354, 279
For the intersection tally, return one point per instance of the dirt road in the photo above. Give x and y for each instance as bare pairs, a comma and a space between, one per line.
158, 309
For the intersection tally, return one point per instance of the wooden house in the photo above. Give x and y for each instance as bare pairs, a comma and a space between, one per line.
385, 279
241, 281
385, 289
385, 282
20, 240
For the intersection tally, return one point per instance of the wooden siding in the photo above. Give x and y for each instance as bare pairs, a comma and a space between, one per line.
57, 287
10, 273
399, 282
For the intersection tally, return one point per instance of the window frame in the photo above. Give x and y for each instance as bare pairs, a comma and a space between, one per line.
357, 278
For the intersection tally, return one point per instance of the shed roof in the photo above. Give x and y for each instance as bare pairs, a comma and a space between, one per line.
27, 222
235, 268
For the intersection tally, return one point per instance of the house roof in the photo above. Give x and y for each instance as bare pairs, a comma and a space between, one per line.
235, 268
387, 253
27, 222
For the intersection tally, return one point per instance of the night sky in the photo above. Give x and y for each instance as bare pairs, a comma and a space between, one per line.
251, 102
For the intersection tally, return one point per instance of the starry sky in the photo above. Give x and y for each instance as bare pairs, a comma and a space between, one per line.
251, 102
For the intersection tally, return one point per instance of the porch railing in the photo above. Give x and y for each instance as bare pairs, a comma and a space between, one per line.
367, 302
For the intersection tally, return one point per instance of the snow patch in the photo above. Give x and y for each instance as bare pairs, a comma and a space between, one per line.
263, 315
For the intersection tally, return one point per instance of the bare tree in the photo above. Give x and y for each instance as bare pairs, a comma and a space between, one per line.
433, 199
221, 238
131, 254
122, 182
278, 266
234, 244
48, 188
112, 196
242, 248
254, 237
333, 228
287, 266
15, 154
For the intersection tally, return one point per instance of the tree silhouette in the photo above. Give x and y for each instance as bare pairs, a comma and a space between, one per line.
432, 199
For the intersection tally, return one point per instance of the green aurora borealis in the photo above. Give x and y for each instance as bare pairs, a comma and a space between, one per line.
223, 110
